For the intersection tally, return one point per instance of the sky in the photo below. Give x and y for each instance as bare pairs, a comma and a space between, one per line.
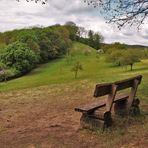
15, 15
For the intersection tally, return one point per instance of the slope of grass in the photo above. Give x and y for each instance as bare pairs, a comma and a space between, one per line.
44, 116
96, 70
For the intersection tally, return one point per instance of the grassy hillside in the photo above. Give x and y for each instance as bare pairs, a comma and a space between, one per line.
95, 70
39, 112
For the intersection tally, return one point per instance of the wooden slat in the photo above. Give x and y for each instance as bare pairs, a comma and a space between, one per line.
92, 106
102, 89
121, 97
132, 95
128, 82
111, 98
99, 104
105, 89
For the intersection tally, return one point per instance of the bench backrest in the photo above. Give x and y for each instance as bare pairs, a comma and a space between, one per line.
111, 89
106, 88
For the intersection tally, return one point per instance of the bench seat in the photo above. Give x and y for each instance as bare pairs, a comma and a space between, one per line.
99, 103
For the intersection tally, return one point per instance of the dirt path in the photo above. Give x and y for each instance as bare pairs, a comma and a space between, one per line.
44, 118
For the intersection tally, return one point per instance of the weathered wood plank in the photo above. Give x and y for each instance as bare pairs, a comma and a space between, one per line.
102, 89
99, 104
111, 97
128, 82
132, 95
92, 106
106, 88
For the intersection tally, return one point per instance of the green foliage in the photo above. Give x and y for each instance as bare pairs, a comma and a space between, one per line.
114, 57
73, 29
53, 43
94, 39
20, 57
23, 49
29, 38
130, 57
145, 53
5, 73
58, 72
108, 48
124, 57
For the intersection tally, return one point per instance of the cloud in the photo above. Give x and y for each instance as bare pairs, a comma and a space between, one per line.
15, 14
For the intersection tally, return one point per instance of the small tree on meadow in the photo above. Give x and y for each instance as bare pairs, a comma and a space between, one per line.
130, 57
77, 67
124, 57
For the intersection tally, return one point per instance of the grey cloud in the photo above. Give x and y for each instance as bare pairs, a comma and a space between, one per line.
18, 15
128, 34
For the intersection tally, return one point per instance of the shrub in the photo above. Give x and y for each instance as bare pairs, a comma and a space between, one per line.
5, 73
20, 57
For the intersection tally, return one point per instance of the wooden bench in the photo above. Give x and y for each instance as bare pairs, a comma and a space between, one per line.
99, 113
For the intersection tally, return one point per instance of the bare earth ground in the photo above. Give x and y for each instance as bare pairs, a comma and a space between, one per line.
44, 117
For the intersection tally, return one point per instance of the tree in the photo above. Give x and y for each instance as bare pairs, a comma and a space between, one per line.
82, 32
20, 57
124, 57
97, 39
130, 57
122, 12
77, 66
94, 39
73, 30
108, 48
90, 37
29, 38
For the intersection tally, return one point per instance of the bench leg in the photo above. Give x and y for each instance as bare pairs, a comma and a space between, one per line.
107, 119
90, 122
120, 108
135, 110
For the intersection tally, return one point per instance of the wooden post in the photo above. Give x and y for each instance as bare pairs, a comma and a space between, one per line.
111, 97
132, 95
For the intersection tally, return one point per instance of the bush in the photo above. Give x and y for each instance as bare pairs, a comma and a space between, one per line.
5, 73
20, 57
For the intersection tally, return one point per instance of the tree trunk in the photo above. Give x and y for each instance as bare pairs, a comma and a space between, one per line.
131, 67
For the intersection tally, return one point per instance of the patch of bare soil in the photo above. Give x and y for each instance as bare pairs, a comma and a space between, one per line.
45, 118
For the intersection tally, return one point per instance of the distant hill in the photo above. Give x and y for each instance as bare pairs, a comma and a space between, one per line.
107, 45
137, 46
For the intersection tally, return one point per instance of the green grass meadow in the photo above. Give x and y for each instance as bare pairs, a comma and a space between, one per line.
95, 70
38, 109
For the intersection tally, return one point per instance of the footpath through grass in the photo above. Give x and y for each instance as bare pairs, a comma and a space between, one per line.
95, 70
